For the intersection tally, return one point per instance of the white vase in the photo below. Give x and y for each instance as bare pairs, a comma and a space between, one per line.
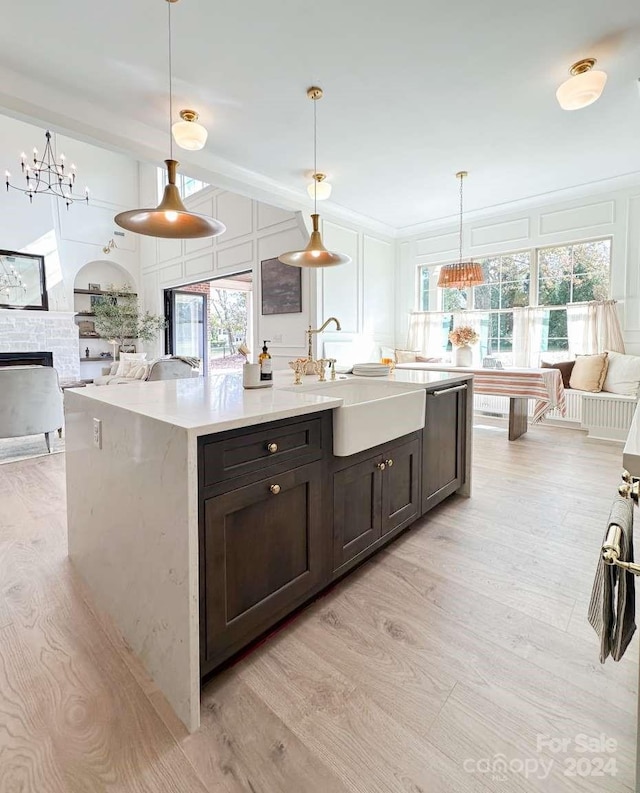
464, 355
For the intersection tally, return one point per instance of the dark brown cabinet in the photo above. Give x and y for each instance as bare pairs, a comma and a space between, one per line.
443, 444
261, 556
373, 498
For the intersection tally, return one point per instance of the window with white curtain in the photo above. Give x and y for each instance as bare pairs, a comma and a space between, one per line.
551, 278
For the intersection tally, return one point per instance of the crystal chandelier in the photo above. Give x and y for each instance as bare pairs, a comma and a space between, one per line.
10, 278
48, 175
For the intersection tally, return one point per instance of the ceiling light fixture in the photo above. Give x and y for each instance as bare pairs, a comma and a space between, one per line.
170, 219
583, 88
48, 175
188, 134
315, 254
319, 187
461, 275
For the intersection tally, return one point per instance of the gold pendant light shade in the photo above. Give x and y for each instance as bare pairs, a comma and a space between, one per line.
170, 219
315, 254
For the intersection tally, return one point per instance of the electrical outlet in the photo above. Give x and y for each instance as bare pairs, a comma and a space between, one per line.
277, 338
97, 433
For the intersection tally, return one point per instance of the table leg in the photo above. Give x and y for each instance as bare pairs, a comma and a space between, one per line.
518, 409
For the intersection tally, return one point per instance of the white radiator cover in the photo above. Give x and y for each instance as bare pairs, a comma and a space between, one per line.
604, 416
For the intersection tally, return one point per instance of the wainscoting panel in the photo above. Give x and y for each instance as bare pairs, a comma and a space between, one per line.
340, 284
511, 231
236, 256
170, 274
271, 216
168, 249
200, 266
443, 243
236, 212
378, 303
583, 217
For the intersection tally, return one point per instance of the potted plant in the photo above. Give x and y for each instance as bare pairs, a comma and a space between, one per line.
462, 338
118, 318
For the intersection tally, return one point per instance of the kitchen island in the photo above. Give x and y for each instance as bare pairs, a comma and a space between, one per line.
200, 514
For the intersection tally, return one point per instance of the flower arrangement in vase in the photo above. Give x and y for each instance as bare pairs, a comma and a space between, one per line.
462, 338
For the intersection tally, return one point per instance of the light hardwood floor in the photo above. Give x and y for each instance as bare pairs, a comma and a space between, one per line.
466, 639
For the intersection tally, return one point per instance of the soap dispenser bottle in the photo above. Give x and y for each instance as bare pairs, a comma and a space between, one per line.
264, 359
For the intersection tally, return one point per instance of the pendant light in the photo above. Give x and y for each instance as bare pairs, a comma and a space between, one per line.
170, 219
315, 254
584, 86
461, 275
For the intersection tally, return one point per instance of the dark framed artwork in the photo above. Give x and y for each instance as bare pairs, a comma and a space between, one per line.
281, 287
23, 281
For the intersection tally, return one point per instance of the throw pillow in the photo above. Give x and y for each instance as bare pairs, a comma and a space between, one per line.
589, 372
623, 374
128, 360
565, 368
423, 359
406, 356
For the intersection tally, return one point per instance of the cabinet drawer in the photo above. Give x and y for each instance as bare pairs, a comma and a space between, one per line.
253, 452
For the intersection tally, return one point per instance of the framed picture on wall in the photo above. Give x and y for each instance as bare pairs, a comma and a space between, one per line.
22, 281
281, 287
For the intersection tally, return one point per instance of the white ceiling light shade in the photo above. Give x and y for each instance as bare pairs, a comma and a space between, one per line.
188, 134
583, 88
319, 189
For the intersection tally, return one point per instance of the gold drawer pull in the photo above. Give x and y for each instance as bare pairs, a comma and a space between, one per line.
381, 466
389, 462
272, 448
275, 489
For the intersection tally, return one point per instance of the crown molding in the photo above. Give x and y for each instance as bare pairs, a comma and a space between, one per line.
541, 201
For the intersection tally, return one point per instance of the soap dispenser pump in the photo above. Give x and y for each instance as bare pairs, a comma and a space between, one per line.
264, 359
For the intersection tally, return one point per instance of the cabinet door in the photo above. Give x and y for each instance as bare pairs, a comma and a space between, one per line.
443, 462
357, 509
401, 486
263, 555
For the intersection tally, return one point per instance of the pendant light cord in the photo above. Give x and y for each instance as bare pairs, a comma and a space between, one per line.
460, 241
315, 156
169, 3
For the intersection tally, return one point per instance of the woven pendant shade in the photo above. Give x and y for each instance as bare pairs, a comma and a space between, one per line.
461, 275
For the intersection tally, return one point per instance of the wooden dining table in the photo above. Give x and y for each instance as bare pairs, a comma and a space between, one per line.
519, 385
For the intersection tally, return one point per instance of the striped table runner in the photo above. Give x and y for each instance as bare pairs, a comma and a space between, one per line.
543, 385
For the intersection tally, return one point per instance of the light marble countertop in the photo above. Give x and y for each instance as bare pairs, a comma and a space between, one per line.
219, 403
631, 454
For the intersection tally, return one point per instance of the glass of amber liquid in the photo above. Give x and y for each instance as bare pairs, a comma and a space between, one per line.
388, 362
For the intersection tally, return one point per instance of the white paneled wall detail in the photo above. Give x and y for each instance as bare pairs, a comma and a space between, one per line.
615, 214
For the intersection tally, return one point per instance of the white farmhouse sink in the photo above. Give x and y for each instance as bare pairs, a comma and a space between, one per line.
371, 413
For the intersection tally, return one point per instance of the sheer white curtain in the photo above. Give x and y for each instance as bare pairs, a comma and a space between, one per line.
594, 327
425, 333
527, 336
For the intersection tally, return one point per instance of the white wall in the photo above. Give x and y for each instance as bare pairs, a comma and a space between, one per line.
615, 214
258, 231
69, 238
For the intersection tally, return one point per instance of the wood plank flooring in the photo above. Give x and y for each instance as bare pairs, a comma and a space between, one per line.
464, 643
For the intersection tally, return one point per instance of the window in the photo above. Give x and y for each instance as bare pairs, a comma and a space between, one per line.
551, 277
186, 184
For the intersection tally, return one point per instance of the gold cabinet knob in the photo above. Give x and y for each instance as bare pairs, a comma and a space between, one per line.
389, 462
381, 466
272, 448
275, 489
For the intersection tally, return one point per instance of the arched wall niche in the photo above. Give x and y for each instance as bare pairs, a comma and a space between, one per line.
104, 272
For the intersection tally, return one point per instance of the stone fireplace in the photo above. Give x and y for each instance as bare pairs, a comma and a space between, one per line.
37, 332
26, 359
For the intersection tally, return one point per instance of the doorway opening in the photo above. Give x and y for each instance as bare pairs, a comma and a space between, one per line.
209, 320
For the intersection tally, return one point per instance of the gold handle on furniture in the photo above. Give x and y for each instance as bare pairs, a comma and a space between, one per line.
389, 462
272, 448
381, 466
275, 489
